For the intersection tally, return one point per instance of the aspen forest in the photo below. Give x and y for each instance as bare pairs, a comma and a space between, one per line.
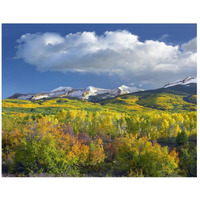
136, 135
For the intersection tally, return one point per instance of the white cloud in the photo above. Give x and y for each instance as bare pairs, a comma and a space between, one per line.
190, 46
117, 53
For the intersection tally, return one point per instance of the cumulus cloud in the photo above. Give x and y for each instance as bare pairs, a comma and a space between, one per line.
114, 52
190, 46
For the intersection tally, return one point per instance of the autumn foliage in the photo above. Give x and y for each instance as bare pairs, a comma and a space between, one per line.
91, 140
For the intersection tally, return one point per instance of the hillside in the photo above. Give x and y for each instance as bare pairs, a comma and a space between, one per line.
148, 133
177, 98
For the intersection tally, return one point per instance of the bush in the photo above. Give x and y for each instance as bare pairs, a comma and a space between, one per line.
38, 154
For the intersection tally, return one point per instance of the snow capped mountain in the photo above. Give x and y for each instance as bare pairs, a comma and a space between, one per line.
78, 93
185, 81
91, 92
22, 96
60, 91
126, 90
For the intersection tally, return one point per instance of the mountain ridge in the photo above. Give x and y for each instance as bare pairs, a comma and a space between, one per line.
93, 93
84, 93
185, 81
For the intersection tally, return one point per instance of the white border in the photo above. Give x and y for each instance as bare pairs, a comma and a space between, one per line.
104, 11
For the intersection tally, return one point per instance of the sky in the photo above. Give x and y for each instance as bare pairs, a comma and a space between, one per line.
42, 57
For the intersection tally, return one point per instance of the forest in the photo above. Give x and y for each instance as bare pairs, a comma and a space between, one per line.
136, 135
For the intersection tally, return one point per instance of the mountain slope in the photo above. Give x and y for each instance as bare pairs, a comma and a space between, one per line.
175, 98
178, 96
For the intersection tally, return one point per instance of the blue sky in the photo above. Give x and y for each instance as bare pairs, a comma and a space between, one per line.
39, 57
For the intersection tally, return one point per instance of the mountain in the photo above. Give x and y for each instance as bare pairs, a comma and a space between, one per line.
187, 85
185, 81
86, 93
176, 98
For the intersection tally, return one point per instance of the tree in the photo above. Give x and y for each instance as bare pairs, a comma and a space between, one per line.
188, 161
182, 138
137, 156
38, 154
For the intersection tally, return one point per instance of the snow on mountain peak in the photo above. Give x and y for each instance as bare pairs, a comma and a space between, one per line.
185, 81
61, 89
91, 88
190, 80
126, 90
123, 87
79, 93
